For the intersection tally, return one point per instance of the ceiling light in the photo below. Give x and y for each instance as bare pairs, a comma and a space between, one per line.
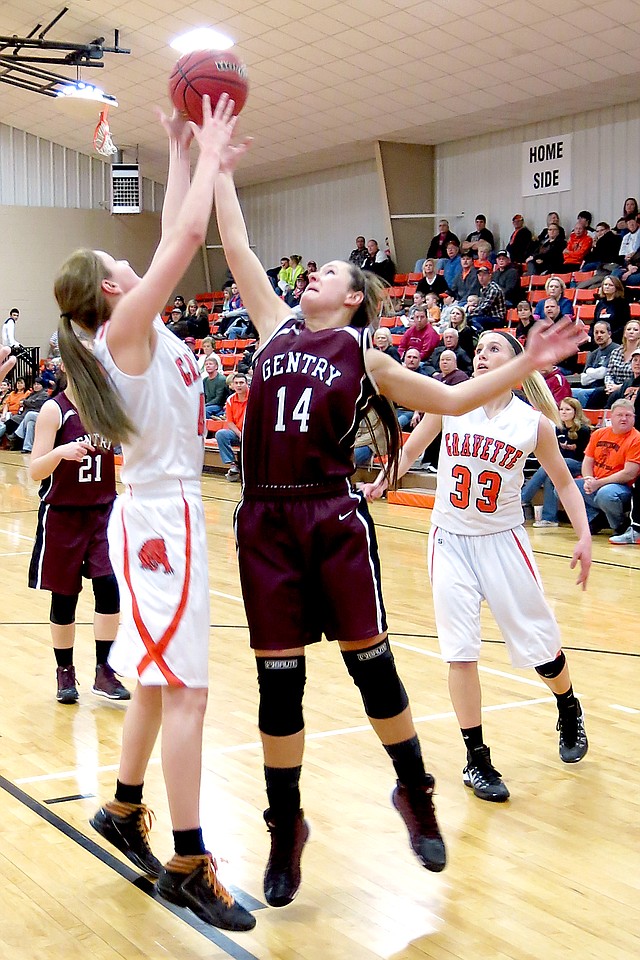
79, 90
202, 38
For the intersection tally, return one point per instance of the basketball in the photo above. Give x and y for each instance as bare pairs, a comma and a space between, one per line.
211, 72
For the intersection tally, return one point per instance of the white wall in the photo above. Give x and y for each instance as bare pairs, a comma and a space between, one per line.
318, 215
483, 174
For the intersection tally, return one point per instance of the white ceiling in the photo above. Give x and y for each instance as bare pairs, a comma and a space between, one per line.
329, 78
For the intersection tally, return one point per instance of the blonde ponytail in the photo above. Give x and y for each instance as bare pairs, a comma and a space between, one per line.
78, 290
540, 397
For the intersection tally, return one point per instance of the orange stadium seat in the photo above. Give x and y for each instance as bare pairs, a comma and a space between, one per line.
586, 312
585, 296
581, 275
634, 310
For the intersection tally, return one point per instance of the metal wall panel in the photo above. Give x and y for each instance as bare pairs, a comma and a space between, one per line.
483, 174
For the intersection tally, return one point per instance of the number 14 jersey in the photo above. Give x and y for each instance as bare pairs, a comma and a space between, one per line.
481, 469
308, 394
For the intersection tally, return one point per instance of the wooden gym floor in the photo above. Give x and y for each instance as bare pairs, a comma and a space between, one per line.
553, 873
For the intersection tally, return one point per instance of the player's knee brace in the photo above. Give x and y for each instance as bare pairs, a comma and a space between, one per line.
106, 594
552, 669
373, 671
281, 682
63, 609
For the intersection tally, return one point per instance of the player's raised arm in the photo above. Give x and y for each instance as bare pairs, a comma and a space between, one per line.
263, 305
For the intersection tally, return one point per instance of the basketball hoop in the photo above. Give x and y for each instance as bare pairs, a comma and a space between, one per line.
102, 141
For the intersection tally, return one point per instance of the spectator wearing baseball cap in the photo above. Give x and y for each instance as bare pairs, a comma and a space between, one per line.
506, 276
491, 310
519, 246
480, 233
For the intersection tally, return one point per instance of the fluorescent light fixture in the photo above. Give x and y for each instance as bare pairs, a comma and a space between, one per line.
202, 38
79, 90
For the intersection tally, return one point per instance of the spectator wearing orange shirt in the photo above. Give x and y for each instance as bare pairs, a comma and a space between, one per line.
610, 466
578, 246
229, 437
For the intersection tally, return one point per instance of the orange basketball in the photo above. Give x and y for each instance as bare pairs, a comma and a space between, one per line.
211, 72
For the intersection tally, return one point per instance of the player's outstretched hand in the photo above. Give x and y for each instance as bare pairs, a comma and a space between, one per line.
75, 451
217, 125
373, 491
549, 342
582, 557
177, 127
7, 362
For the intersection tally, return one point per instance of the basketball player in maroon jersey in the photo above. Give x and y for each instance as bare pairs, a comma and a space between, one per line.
76, 497
306, 544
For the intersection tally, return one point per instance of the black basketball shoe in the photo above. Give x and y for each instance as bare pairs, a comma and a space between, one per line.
415, 806
67, 690
127, 826
573, 738
193, 882
482, 777
282, 876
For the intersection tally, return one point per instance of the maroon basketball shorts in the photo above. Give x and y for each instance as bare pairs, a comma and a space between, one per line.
71, 543
309, 567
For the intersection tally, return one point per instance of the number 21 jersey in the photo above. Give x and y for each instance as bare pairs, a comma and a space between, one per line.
481, 467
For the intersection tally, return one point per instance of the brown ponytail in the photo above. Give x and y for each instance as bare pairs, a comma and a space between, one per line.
78, 290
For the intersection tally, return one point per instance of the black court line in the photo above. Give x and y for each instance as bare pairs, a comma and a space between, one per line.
142, 883
76, 796
565, 646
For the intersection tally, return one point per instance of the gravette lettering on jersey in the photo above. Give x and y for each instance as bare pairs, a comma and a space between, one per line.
484, 448
307, 364
188, 369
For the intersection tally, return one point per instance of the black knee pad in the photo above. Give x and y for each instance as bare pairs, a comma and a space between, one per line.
552, 669
106, 594
281, 682
63, 609
374, 673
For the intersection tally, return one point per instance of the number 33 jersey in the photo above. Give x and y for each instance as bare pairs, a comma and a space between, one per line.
308, 394
480, 470
89, 482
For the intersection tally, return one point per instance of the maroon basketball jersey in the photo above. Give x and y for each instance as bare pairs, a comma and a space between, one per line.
88, 483
308, 393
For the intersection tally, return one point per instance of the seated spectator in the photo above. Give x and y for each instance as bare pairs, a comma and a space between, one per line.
612, 306
605, 251
48, 374
359, 253
411, 360
370, 440
207, 351
619, 365
431, 281
229, 437
382, 341
573, 436
480, 233
438, 246
578, 247
557, 382
8, 331
452, 264
465, 283
611, 465
520, 241
491, 310
312, 267
507, 278
197, 320
526, 320
377, 262
420, 335
177, 324
448, 302
297, 269
630, 208
54, 349
466, 337
11, 403
292, 299
555, 287
552, 217
621, 227
629, 247
485, 253
630, 389
450, 341
548, 254
245, 364
448, 372
432, 306
32, 403
275, 275
215, 388
595, 368
180, 304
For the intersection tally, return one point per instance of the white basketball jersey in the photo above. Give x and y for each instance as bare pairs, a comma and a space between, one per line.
480, 470
166, 404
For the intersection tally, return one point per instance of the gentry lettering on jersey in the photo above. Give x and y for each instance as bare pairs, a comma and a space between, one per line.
296, 362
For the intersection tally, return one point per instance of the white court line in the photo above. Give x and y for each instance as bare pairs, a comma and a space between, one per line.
256, 745
17, 536
19, 553
227, 596
618, 706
